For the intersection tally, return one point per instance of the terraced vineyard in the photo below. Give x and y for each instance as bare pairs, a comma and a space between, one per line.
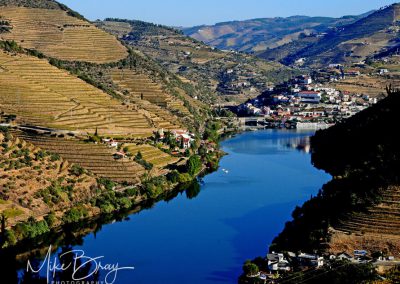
59, 35
26, 170
373, 86
43, 95
140, 85
96, 158
383, 219
152, 155
149, 96
202, 66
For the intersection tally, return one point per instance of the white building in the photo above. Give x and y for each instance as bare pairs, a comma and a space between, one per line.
311, 260
383, 71
277, 262
310, 97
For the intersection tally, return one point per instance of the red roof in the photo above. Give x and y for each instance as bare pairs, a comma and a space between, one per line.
309, 93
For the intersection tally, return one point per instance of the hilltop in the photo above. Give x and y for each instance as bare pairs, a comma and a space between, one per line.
350, 43
56, 31
257, 35
215, 74
52, 32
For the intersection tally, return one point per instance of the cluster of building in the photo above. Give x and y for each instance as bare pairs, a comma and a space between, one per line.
280, 262
301, 100
283, 263
240, 80
182, 137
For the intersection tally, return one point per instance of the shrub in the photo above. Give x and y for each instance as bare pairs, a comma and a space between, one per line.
155, 186
31, 229
9, 238
50, 219
250, 268
107, 202
125, 203
76, 170
108, 184
10, 46
185, 178
54, 157
75, 214
194, 165
138, 156
173, 176
131, 191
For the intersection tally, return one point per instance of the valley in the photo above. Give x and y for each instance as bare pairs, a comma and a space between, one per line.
101, 119
218, 76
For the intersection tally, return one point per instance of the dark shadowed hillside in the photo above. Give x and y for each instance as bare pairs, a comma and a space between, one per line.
360, 206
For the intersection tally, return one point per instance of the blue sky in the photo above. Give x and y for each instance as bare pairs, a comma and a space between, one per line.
197, 12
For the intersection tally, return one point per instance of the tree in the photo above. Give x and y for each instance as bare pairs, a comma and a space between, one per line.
250, 269
194, 165
139, 156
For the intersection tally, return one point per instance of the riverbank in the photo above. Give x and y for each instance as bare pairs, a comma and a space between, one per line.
208, 226
64, 201
354, 219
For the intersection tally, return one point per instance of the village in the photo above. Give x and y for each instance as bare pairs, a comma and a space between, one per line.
280, 265
309, 101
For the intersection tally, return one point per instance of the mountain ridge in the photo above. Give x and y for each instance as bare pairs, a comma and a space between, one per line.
262, 33
348, 43
213, 72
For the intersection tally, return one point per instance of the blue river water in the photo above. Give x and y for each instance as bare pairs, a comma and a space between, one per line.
239, 210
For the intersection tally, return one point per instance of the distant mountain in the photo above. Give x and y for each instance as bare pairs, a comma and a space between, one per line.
258, 35
354, 42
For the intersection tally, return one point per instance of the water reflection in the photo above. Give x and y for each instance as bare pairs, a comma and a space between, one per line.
301, 144
275, 143
57, 247
202, 232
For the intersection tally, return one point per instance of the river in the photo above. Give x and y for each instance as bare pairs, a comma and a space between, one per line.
206, 238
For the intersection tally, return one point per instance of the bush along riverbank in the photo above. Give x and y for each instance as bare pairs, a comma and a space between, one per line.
363, 156
15, 258
68, 202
